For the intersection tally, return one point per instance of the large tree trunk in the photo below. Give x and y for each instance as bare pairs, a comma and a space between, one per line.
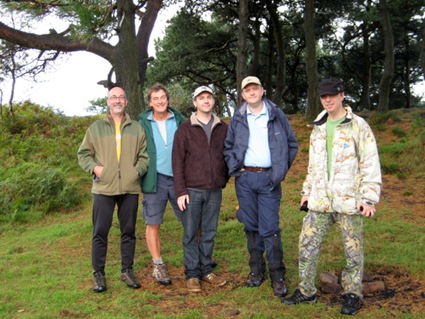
280, 48
366, 76
423, 49
125, 58
313, 104
143, 36
388, 74
241, 63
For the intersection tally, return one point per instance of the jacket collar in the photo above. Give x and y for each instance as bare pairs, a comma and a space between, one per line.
108, 118
271, 107
195, 121
323, 116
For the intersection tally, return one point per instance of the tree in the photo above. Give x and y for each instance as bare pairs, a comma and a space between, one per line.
242, 57
313, 105
423, 48
93, 26
388, 73
196, 52
18, 62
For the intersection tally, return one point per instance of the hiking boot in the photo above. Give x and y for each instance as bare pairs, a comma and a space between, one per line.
160, 274
214, 280
279, 288
130, 279
99, 282
193, 285
255, 280
351, 304
298, 298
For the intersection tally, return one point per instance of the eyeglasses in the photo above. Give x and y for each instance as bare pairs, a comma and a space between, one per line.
114, 97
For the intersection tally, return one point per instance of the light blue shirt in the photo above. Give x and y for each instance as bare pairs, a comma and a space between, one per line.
164, 149
258, 152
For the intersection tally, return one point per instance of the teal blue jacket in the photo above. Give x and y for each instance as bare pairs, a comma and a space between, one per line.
149, 183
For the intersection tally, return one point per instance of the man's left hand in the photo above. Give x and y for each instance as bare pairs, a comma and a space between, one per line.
366, 210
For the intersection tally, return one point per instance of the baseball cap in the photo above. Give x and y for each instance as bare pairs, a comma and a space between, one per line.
201, 89
249, 80
331, 87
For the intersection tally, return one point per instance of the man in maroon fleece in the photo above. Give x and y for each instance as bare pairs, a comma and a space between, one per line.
200, 173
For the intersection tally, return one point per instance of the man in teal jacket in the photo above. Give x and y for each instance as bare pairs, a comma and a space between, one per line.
160, 123
114, 153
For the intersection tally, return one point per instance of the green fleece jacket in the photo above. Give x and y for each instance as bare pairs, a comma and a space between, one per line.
99, 148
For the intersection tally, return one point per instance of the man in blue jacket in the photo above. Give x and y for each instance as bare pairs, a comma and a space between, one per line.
260, 147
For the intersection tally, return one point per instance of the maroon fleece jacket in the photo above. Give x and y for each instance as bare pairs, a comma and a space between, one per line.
197, 164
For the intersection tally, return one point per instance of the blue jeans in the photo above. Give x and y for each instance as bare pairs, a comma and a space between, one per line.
201, 213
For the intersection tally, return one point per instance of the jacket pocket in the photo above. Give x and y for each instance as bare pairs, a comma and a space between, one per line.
107, 176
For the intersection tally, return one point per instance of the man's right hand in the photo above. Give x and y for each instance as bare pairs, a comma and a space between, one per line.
182, 201
97, 170
303, 204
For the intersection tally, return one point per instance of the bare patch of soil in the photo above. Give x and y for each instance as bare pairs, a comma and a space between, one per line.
402, 293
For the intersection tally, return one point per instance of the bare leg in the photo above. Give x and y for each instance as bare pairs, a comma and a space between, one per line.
153, 241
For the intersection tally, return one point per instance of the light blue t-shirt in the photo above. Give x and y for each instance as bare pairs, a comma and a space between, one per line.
164, 148
258, 152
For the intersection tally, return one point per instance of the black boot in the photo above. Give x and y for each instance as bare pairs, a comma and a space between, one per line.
257, 262
276, 266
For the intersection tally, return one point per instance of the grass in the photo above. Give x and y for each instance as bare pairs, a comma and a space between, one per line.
45, 267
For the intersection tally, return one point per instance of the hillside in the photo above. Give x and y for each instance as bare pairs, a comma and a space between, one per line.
45, 269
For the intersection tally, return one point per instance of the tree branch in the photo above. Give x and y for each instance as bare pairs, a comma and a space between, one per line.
56, 41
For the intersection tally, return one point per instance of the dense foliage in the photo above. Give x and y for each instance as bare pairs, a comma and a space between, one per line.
200, 48
39, 172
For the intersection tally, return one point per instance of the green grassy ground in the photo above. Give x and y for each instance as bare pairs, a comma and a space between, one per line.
45, 267
45, 270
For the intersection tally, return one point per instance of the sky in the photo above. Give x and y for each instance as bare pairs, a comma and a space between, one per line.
72, 82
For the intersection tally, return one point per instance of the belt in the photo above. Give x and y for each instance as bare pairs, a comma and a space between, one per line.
256, 169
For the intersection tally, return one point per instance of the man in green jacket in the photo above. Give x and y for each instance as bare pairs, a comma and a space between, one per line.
113, 151
160, 123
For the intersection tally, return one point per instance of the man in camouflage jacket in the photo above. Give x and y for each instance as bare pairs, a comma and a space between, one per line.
342, 186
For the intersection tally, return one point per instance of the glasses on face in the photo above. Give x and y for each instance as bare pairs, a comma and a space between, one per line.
116, 98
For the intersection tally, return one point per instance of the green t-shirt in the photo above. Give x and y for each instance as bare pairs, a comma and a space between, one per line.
330, 129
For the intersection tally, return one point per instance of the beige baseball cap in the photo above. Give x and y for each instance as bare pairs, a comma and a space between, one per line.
201, 89
250, 80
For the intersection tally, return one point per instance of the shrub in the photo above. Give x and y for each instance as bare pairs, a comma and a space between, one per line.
40, 173
34, 187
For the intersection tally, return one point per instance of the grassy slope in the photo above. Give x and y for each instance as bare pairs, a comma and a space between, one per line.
45, 269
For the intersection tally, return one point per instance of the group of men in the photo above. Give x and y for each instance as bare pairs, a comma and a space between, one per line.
188, 163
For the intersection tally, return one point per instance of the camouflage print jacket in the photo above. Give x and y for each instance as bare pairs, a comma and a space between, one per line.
355, 174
